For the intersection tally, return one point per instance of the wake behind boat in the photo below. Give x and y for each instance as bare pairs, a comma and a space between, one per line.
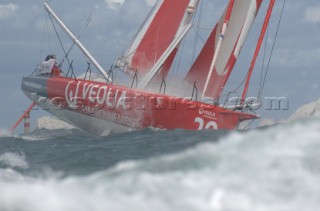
103, 106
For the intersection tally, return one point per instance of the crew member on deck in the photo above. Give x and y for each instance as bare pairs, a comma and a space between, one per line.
49, 66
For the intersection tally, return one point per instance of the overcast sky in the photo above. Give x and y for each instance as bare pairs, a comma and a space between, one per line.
26, 37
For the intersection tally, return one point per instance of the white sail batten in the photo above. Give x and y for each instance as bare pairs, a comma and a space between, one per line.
78, 43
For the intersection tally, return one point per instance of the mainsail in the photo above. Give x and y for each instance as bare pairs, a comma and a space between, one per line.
216, 60
156, 44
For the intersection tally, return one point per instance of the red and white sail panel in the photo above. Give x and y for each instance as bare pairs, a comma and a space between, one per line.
166, 21
239, 23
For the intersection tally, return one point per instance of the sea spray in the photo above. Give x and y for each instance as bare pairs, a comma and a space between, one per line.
13, 160
272, 169
5, 133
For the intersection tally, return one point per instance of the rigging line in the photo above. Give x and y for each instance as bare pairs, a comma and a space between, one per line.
180, 57
197, 31
48, 31
272, 49
55, 29
250, 123
235, 90
175, 61
241, 84
89, 19
199, 36
263, 61
44, 36
86, 24
245, 78
202, 28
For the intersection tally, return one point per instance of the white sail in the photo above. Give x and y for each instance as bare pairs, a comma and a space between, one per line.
242, 16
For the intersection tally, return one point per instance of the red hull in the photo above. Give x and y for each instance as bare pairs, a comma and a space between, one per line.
138, 109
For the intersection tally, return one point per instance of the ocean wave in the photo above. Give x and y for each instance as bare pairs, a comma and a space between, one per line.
13, 160
47, 134
4, 133
273, 169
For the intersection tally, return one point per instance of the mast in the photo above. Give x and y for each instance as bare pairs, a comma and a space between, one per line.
221, 38
78, 43
258, 47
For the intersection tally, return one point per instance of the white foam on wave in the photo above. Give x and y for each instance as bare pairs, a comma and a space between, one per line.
32, 137
6, 133
276, 169
11, 159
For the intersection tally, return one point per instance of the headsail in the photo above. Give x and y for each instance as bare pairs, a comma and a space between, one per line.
240, 21
154, 43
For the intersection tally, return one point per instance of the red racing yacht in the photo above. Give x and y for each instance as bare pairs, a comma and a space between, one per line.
102, 105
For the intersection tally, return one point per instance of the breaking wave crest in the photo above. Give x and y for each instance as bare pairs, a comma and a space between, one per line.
273, 169
13, 160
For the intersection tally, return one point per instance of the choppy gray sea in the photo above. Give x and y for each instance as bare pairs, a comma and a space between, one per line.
271, 169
